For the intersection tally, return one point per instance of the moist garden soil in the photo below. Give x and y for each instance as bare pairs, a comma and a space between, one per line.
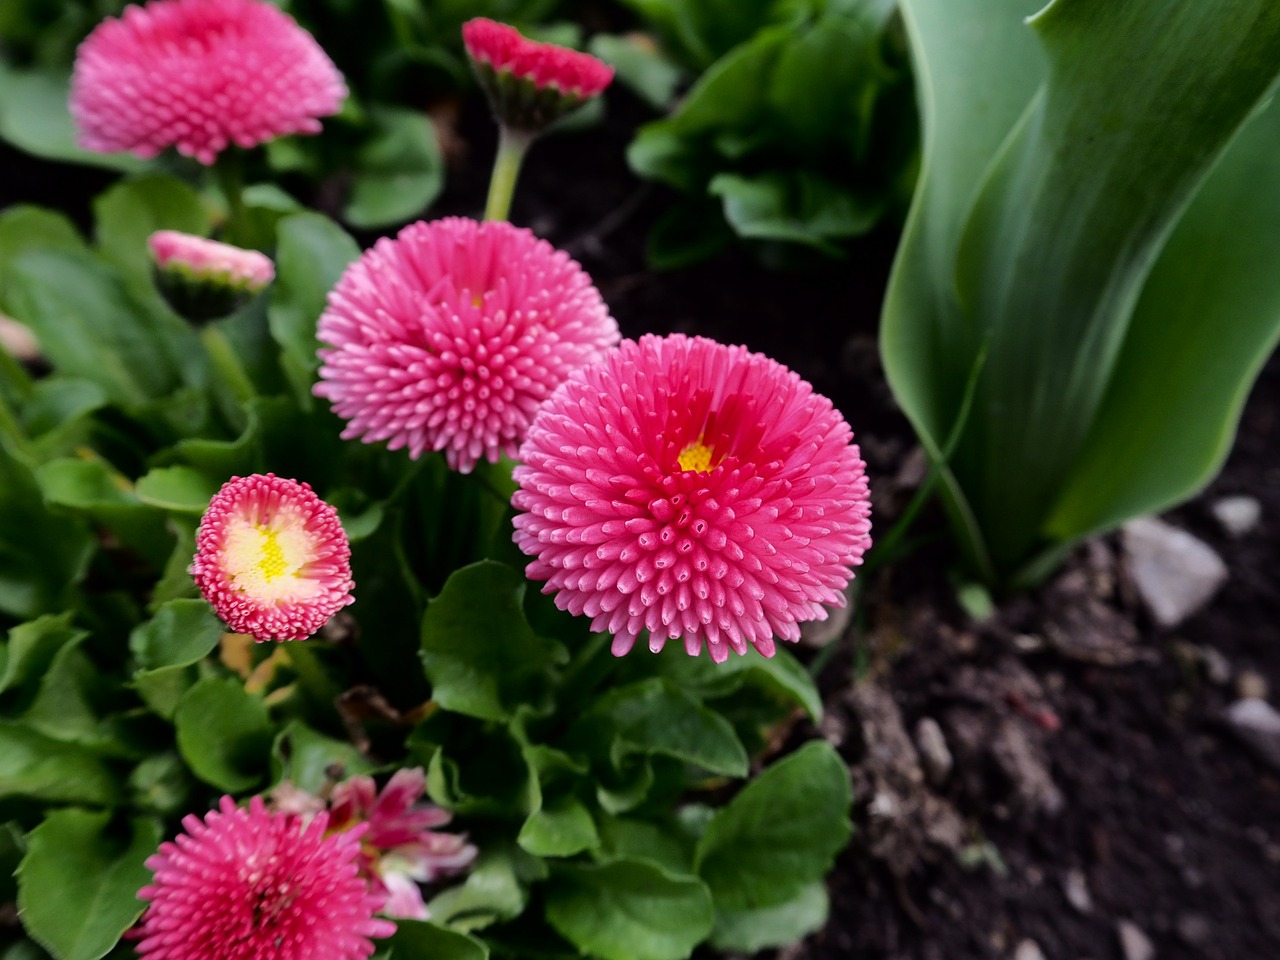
1098, 806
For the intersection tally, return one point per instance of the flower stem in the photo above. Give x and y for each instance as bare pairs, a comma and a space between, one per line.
226, 364
230, 178
506, 169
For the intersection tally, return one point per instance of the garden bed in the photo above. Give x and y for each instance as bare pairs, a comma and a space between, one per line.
1096, 788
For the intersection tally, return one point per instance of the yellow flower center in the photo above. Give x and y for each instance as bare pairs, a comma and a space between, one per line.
697, 456
267, 560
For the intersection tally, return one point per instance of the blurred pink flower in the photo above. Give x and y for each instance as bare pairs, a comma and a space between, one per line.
696, 491
253, 885
502, 48
203, 259
402, 848
199, 75
451, 335
272, 558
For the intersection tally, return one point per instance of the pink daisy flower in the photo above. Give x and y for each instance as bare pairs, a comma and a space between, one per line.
530, 84
253, 885
695, 491
451, 335
402, 847
272, 558
199, 75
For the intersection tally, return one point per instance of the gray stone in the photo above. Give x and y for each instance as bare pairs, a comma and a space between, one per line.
819, 633
934, 755
1028, 950
1175, 574
1076, 891
1251, 685
1257, 724
1134, 943
1217, 668
1238, 516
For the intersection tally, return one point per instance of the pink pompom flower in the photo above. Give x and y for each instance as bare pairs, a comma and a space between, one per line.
530, 84
199, 75
402, 847
255, 885
693, 490
272, 558
451, 335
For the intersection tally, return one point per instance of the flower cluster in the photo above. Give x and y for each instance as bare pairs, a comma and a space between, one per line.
402, 847
450, 336
694, 491
256, 885
200, 75
272, 558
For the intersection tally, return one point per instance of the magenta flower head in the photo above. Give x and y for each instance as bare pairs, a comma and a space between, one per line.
272, 558
530, 84
451, 335
254, 885
204, 279
695, 491
199, 75
402, 847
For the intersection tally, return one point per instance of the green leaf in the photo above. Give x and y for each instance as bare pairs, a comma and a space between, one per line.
629, 910
182, 632
31, 648
96, 490
311, 255
496, 889
34, 118
179, 489
91, 327
23, 226
640, 66
42, 554
304, 757
41, 768
780, 833
78, 884
398, 172
1039, 220
656, 717
480, 654
58, 414
224, 734
561, 828
751, 931
781, 675
420, 940
793, 206
1168, 418
624, 838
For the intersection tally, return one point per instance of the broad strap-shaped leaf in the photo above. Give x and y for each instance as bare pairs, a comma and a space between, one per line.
420, 939
224, 734
40, 768
1042, 266
1208, 318
78, 883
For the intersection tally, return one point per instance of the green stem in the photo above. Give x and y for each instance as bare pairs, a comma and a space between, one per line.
512, 147
230, 177
226, 364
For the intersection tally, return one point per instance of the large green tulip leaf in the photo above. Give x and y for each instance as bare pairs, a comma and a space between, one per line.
1207, 319
1042, 266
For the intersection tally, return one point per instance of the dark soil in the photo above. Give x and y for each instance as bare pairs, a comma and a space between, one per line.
1102, 774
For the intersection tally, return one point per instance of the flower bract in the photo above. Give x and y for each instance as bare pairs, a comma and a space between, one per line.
530, 84
451, 335
199, 75
695, 491
272, 558
203, 279
254, 885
